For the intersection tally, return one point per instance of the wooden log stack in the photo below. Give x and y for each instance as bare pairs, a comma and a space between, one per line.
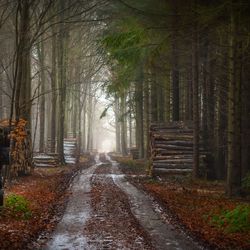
48, 148
46, 160
20, 148
134, 152
70, 150
171, 147
49, 159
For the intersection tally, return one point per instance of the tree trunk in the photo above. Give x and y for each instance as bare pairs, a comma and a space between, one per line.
221, 119
42, 97
175, 64
62, 69
54, 93
84, 128
23, 79
139, 114
153, 91
167, 100
117, 126
245, 148
195, 84
79, 123
234, 107
130, 121
90, 123
147, 117
160, 100
1, 100
123, 125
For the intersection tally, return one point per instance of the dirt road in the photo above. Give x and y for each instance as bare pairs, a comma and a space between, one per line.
105, 211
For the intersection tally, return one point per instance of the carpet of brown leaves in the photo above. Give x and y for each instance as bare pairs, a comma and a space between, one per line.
45, 191
112, 218
192, 205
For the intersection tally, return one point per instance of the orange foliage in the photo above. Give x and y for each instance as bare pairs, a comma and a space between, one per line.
18, 135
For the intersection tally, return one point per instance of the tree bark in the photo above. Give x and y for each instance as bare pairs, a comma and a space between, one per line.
153, 92
53, 115
117, 126
195, 84
234, 107
123, 125
175, 64
42, 97
90, 123
23, 79
147, 117
139, 114
62, 69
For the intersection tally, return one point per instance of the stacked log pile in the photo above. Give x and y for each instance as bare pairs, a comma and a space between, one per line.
171, 147
48, 148
70, 150
134, 152
46, 160
20, 147
50, 159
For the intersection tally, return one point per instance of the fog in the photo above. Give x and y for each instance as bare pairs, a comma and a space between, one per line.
104, 131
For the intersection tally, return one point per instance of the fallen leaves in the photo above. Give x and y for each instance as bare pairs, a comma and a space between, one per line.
192, 204
194, 210
46, 194
112, 225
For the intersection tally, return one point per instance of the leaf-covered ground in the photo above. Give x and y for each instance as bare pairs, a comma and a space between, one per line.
112, 225
193, 204
45, 192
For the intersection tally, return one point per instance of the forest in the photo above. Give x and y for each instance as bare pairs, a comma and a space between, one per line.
162, 85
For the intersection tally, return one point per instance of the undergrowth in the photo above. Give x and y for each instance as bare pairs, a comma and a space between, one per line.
133, 165
233, 221
246, 182
18, 206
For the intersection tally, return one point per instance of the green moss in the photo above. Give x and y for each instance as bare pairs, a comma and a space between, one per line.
18, 206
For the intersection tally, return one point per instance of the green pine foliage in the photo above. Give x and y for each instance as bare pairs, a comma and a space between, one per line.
246, 182
126, 48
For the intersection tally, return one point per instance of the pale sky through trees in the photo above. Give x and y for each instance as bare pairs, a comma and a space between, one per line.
105, 132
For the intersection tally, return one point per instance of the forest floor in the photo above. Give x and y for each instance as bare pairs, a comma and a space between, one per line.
45, 192
106, 212
106, 205
196, 205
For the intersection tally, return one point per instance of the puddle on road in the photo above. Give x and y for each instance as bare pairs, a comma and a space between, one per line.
68, 241
112, 225
68, 233
164, 235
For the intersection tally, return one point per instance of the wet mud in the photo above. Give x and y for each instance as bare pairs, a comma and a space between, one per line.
105, 211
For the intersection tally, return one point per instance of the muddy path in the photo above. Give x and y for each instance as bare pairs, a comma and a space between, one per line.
105, 211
